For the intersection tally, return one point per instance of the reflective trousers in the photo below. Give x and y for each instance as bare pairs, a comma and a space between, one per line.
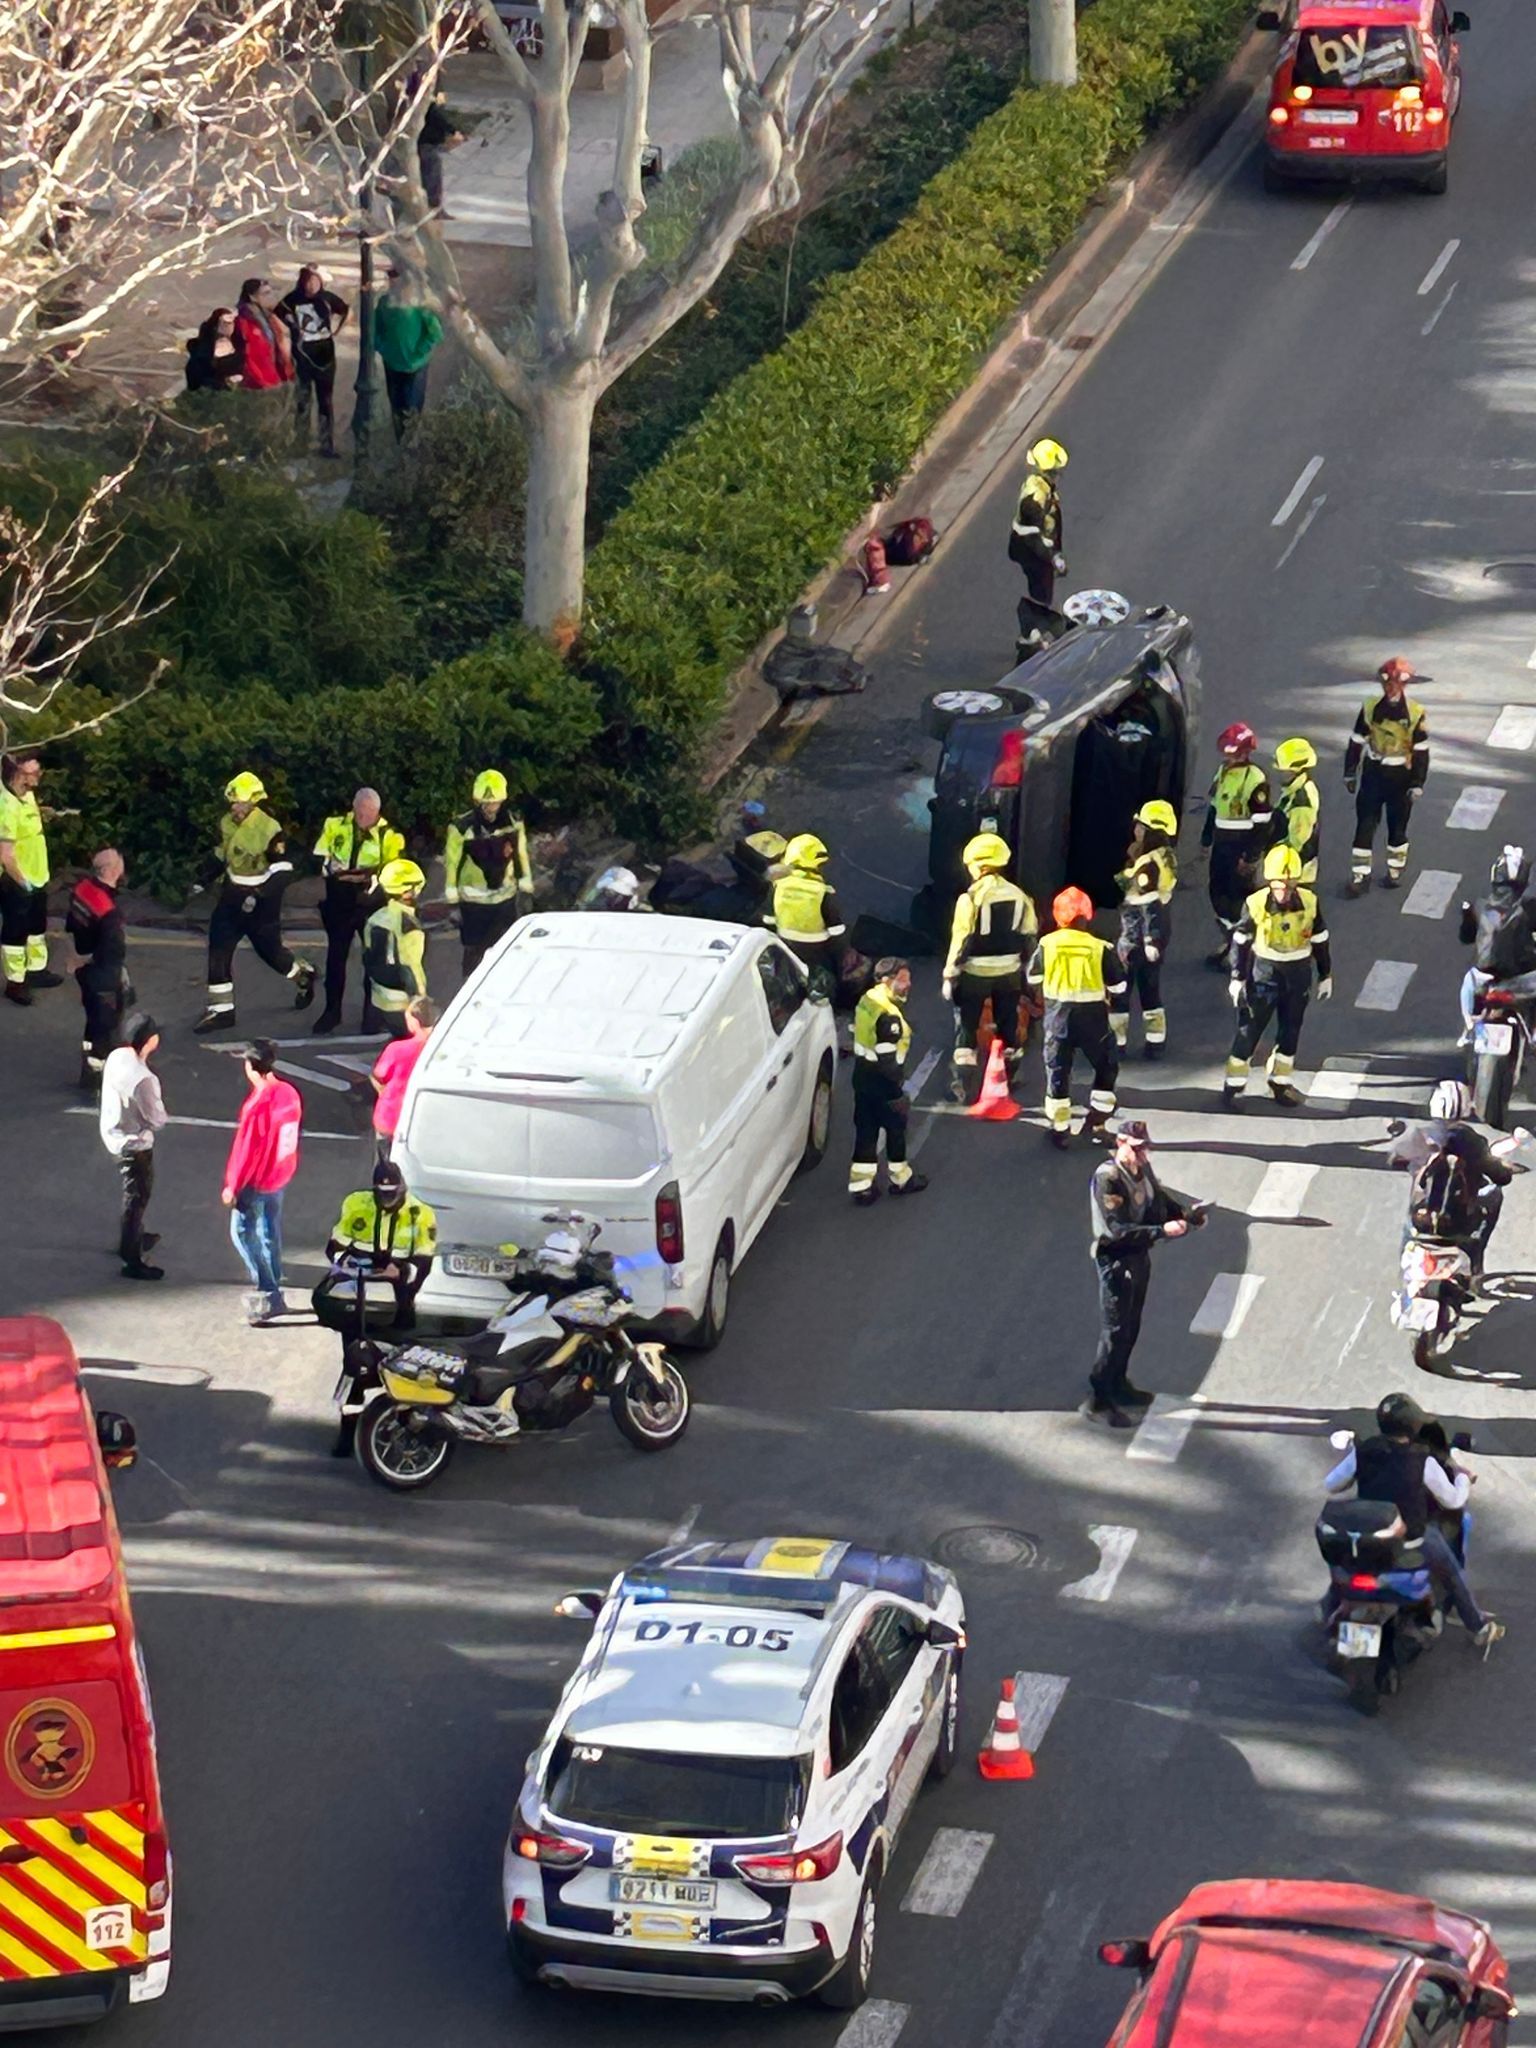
1279, 990
875, 1111
23, 925
1381, 789
972, 994
1072, 1028
1146, 932
239, 914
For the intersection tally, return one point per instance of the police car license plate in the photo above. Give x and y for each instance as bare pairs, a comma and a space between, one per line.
1359, 1639
479, 1265
1498, 1039
696, 1894
1414, 1313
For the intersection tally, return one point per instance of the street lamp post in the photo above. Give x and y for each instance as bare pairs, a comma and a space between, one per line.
363, 386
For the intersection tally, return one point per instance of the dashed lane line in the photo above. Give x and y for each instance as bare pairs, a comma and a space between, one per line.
1282, 1190
950, 1867
1475, 809
1514, 729
1297, 491
1163, 1431
1302, 530
1310, 247
1115, 1545
876, 2024
1037, 1695
684, 1529
1437, 269
1385, 986
215, 1123
1433, 893
1434, 319
1225, 1307
1530, 659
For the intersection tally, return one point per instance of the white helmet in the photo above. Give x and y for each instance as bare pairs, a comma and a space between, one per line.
1451, 1102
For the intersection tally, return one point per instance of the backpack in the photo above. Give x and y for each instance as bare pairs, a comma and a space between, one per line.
1443, 1202
910, 541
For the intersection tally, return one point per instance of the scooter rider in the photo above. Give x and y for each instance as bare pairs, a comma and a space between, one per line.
1499, 929
1397, 1465
1451, 1135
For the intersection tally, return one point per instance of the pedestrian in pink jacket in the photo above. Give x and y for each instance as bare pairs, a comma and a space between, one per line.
262, 1160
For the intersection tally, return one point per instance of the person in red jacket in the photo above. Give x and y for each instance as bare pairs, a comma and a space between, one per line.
268, 351
262, 1160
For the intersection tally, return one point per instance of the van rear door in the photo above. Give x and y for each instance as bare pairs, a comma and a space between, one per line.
1367, 88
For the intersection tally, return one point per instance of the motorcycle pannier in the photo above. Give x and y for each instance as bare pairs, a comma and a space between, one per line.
1349, 1534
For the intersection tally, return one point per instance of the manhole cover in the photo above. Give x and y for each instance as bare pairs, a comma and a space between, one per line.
1518, 575
987, 1543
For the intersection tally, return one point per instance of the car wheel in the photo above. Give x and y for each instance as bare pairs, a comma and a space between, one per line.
848, 1986
947, 708
717, 1298
949, 1731
1436, 181
819, 1128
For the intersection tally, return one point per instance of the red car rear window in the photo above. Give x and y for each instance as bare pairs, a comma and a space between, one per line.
1350, 57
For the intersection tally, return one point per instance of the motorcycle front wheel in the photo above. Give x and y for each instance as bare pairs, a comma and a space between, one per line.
403, 1448
651, 1417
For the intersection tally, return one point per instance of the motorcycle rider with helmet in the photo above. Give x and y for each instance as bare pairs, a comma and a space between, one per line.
1472, 1197
1237, 830
1403, 1464
1499, 929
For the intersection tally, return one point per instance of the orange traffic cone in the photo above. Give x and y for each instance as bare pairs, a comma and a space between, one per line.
994, 1103
1002, 1755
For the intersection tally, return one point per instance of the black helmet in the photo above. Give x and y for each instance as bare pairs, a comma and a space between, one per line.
1511, 870
388, 1184
1400, 1415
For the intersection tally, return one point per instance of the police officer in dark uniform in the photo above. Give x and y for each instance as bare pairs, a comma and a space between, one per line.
1131, 1212
1385, 766
95, 924
354, 846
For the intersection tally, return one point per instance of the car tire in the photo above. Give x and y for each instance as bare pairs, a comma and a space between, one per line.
819, 1127
949, 1732
848, 1986
947, 708
717, 1298
1437, 181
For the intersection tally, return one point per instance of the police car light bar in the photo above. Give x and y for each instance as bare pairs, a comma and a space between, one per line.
726, 1588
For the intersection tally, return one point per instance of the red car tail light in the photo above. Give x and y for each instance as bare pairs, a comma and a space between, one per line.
554, 1852
1279, 116
798, 1866
1008, 769
669, 1224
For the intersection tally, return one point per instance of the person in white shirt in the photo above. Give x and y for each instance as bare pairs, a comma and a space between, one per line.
132, 1111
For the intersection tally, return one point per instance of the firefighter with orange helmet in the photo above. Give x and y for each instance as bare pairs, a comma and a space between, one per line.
1083, 985
1237, 830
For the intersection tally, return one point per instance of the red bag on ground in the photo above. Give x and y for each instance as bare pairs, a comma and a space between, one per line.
911, 541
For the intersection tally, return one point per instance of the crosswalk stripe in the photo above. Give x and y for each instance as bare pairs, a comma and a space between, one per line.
1037, 1695
1225, 1307
1474, 809
1115, 1545
1514, 728
1282, 1190
1432, 894
1163, 1432
1385, 986
949, 1868
876, 2024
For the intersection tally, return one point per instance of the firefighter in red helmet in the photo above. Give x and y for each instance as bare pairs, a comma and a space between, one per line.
1237, 830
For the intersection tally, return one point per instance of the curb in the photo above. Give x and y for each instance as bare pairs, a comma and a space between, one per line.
959, 460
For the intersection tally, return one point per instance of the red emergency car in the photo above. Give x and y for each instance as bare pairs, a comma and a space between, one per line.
1364, 88
85, 1872
1267, 1963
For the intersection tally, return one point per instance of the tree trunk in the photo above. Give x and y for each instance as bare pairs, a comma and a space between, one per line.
559, 429
1053, 42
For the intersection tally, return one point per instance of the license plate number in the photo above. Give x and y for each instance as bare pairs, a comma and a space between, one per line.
696, 1895
1416, 1314
479, 1265
1359, 1639
1329, 117
1325, 142
1498, 1039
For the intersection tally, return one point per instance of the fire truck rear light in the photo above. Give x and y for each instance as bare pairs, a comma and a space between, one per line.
1301, 94
1434, 116
1279, 116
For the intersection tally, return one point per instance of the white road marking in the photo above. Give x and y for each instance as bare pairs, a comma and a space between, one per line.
1434, 319
1282, 1190
1037, 1695
214, 1123
921, 1071
1530, 659
877, 2024
1330, 222
1300, 534
332, 1039
1432, 894
1297, 491
1354, 1336
1436, 270
1163, 1431
1474, 810
684, 1529
1227, 1302
1335, 1084
1115, 1545
947, 1872
1514, 728
1385, 986
318, 1080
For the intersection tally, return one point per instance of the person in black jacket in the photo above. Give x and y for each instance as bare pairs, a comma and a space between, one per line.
314, 317
216, 354
94, 922
1131, 1212
1498, 928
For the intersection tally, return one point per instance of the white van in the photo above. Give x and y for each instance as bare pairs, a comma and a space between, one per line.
663, 1075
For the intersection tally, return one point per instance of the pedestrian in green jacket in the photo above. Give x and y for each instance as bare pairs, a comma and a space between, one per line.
405, 334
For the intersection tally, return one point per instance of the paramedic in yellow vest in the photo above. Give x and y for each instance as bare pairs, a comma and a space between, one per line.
1036, 540
1147, 883
1279, 944
353, 846
1386, 764
882, 1038
487, 869
805, 912
254, 871
395, 947
24, 879
994, 927
1083, 984
1298, 808
1237, 830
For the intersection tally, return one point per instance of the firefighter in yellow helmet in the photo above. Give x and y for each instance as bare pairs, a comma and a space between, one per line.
1298, 807
1147, 883
1280, 942
1083, 984
1036, 541
994, 927
882, 1038
395, 946
805, 912
254, 870
486, 868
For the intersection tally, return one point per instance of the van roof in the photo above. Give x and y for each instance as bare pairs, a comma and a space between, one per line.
1362, 14
55, 1521
598, 998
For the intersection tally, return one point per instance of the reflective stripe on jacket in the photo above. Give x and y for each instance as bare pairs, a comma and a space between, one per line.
394, 957
1072, 966
992, 921
873, 1035
346, 848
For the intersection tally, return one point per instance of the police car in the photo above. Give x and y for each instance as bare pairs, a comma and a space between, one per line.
717, 1798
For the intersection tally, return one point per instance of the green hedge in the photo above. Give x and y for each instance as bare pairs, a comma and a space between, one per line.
755, 499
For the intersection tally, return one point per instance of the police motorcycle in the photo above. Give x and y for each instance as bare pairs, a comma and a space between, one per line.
558, 1347
1382, 1609
1503, 1031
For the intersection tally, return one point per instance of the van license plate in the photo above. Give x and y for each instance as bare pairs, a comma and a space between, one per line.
479, 1265
1329, 117
1359, 1639
697, 1895
1499, 1039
